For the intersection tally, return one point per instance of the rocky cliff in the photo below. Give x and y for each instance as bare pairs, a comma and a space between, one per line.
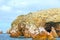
38, 18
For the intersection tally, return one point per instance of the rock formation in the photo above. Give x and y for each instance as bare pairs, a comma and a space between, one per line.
34, 20
1, 32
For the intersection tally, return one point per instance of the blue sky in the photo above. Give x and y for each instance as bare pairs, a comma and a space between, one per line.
10, 9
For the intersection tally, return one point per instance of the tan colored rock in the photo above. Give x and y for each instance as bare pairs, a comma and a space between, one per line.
15, 33
38, 18
58, 29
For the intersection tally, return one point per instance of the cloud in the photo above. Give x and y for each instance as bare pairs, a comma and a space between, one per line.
30, 5
17, 3
31, 2
5, 8
1, 1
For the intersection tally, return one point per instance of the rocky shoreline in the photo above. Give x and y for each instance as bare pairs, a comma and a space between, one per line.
33, 21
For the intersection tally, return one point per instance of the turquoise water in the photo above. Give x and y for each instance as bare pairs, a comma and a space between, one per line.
7, 37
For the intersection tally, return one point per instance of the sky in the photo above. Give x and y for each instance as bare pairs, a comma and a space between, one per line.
10, 9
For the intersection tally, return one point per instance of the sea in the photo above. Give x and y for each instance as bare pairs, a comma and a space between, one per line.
7, 37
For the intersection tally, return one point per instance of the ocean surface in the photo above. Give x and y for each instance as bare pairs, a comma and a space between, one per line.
7, 37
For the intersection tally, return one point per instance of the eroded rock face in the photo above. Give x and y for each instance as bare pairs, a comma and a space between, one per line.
58, 29
25, 24
49, 26
14, 33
